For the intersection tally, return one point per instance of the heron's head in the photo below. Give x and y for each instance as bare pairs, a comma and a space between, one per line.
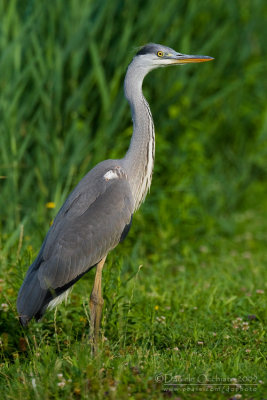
155, 55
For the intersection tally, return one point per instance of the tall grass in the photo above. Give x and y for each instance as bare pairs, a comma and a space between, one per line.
63, 110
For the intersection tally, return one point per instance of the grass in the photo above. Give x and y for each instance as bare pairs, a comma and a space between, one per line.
201, 317
185, 295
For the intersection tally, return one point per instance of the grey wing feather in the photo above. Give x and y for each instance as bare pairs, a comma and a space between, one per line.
87, 238
90, 223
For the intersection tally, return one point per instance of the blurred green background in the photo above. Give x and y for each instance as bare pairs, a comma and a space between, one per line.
62, 108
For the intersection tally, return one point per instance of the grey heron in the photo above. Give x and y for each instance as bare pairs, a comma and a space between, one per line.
97, 215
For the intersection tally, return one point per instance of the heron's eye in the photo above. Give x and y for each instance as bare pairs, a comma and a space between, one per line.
160, 53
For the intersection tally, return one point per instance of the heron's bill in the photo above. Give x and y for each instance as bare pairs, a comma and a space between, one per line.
191, 59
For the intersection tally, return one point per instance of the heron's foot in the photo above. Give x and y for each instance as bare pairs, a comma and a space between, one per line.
96, 305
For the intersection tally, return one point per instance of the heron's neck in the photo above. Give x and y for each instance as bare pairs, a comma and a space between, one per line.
139, 159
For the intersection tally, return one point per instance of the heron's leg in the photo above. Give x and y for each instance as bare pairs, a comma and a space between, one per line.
96, 304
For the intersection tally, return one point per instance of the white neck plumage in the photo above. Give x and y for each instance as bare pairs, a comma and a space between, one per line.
139, 159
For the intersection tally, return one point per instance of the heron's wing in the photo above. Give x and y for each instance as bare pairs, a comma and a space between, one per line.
85, 234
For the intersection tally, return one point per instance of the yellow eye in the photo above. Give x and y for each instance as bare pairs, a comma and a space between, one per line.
160, 53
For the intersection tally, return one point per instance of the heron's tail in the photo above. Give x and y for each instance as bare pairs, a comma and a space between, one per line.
31, 300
